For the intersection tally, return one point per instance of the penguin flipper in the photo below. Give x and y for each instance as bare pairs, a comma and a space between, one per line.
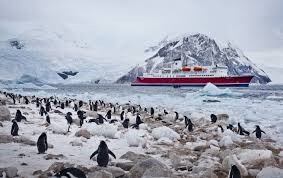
93, 154
112, 154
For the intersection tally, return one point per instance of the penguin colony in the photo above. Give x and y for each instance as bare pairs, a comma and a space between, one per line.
46, 105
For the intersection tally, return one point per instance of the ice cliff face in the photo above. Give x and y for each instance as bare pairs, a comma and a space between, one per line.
197, 49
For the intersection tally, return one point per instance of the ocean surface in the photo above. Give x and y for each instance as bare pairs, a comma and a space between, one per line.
256, 105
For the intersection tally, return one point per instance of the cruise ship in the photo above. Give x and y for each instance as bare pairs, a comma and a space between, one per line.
178, 75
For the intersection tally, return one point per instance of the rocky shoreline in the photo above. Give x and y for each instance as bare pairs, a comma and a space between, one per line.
160, 147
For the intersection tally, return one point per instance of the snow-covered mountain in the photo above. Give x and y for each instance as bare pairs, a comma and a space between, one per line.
197, 49
52, 57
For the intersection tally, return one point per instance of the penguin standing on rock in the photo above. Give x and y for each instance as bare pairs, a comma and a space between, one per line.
15, 128
42, 145
138, 122
258, 132
103, 154
71, 172
230, 127
234, 172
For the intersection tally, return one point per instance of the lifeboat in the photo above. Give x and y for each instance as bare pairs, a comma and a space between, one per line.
198, 68
186, 69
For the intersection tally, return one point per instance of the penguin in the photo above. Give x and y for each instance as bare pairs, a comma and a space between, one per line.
103, 154
67, 103
122, 115
95, 106
37, 102
241, 130
69, 120
81, 116
125, 123
258, 132
138, 122
48, 106
234, 172
62, 105
188, 124
19, 117
213, 118
71, 172
176, 116
165, 112
55, 102
47, 117
151, 112
80, 104
108, 114
230, 126
76, 107
14, 100
145, 109
15, 128
42, 145
101, 119
90, 105
220, 126
41, 111
26, 100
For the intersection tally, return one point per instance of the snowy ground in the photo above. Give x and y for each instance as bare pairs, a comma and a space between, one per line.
203, 148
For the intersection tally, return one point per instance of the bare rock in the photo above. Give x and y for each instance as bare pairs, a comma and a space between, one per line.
134, 156
150, 168
126, 166
11, 172
83, 133
5, 114
51, 156
100, 174
115, 171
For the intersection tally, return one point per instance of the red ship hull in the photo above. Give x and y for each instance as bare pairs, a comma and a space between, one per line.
229, 81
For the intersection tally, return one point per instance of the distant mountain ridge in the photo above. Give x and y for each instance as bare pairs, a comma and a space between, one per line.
197, 49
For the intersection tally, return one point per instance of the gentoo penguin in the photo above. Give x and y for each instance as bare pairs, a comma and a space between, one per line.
15, 128
234, 172
126, 123
213, 118
55, 102
69, 119
258, 132
37, 102
42, 145
188, 124
26, 100
67, 103
90, 105
95, 106
122, 115
103, 154
71, 172
108, 114
242, 131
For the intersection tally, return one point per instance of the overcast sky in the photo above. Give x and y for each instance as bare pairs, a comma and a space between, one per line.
252, 25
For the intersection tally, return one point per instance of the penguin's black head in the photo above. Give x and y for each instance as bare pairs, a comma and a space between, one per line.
102, 144
257, 127
43, 134
69, 113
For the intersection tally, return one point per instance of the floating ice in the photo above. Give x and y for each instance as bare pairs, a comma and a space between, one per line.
212, 90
